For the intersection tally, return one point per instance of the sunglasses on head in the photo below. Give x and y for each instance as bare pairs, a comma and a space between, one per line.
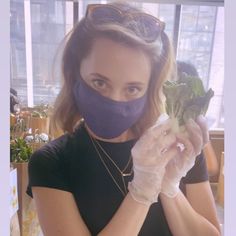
142, 24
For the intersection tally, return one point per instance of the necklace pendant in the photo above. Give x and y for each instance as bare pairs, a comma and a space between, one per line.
128, 174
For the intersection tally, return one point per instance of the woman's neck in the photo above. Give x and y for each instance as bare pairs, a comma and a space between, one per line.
125, 136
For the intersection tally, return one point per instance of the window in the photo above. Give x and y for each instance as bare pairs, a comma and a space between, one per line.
201, 42
49, 22
17, 48
197, 32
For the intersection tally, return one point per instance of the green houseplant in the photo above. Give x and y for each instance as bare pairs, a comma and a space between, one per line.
40, 118
20, 150
20, 153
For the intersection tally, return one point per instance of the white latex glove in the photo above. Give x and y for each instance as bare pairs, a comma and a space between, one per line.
150, 156
191, 143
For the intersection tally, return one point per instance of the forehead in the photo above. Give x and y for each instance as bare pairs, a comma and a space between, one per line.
115, 61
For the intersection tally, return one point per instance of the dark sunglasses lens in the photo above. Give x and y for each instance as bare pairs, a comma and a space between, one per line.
149, 27
105, 14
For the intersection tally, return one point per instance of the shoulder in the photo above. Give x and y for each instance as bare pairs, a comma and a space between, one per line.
49, 158
53, 149
48, 166
58, 151
61, 146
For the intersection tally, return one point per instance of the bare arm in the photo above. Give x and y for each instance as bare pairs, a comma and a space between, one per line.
59, 215
211, 159
127, 220
196, 215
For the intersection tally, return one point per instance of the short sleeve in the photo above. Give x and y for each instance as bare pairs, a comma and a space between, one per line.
47, 168
198, 173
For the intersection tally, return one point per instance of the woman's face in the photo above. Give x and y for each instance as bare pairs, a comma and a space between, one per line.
116, 71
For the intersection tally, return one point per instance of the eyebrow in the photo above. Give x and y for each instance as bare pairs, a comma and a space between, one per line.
107, 79
101, 76
136, 83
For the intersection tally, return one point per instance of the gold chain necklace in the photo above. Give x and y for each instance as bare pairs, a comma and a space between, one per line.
124, 192
122, 172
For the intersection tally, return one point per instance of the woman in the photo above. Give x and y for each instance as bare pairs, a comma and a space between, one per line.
118, 171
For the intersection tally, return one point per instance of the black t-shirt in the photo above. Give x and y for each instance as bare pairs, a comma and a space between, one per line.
70, 163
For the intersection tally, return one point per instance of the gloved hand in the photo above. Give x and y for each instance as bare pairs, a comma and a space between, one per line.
190, 145
150, 156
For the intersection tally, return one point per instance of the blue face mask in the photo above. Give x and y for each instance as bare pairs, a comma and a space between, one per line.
105, 117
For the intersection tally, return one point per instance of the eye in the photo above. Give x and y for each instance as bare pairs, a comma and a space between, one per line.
99, 84
133, 90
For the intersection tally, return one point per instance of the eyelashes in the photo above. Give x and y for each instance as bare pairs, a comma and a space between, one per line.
99, 84
105, 88
133, 90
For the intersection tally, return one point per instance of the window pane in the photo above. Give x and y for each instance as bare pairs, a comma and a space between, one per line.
196, 38
17, 47
165, 12
201, 42
49, 26
216, 78
196, 48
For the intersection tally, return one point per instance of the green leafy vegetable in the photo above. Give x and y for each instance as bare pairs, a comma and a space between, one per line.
186, 99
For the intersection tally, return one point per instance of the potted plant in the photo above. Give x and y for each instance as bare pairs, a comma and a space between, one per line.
20, 152
29, 131
18, 129
39, 119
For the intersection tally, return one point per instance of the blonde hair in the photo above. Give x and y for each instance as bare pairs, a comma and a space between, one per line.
78, 46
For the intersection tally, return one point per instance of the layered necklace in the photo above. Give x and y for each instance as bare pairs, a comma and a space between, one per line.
122, 173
